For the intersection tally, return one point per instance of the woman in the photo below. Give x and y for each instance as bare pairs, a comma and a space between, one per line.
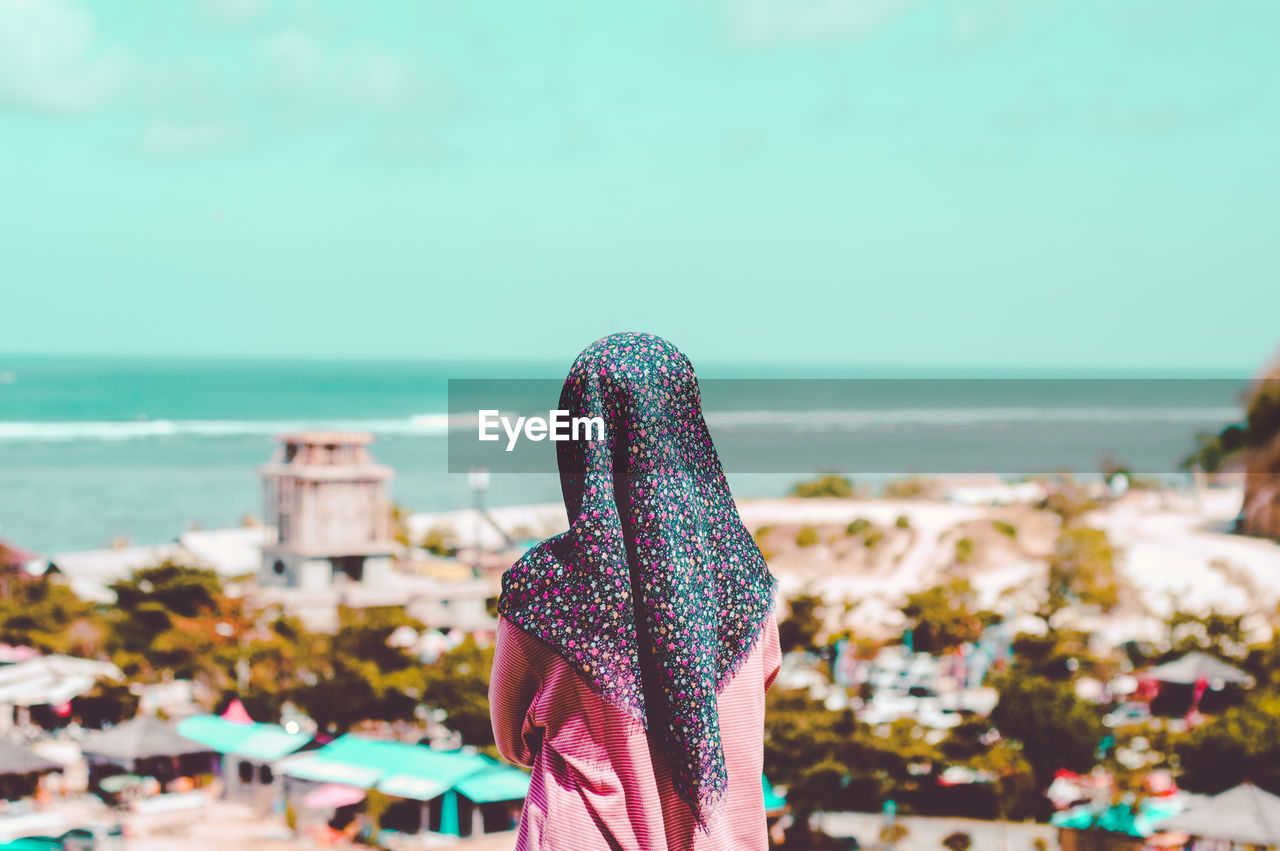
634, 650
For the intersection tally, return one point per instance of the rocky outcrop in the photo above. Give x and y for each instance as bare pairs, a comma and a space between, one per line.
1260, 513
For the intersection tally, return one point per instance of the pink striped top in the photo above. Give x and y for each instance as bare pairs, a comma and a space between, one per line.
597, 783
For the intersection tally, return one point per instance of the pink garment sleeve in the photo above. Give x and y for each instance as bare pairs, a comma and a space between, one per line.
772, 652
513, 685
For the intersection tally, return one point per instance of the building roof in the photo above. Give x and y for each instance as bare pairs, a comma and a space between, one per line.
142, 738
51, 679
408, 771
253, 741
15, 759
1196, 666
773, 802
230, 552
90, 573
1245, 815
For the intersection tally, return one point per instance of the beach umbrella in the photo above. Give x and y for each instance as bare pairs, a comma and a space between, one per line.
331, 796
1245, 815
1197, 667
141, 738
15, 759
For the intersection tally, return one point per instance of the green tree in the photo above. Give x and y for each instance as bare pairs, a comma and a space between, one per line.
366, 678
1242, 744
944, 616
857, 526
1220, 634
458, 683
1082, 569
166, 623
800, 628
47, 615
1054, 728
827, 485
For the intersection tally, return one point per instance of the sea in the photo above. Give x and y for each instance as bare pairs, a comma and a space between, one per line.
101, 450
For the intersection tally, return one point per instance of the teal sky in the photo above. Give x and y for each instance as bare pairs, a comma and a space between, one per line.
942, 182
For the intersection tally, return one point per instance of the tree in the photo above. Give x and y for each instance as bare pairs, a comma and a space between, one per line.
958, 841
943, 617
827, 485
47, 615
800, 628
1242, 744
807, 536
365, 678
1082, 569
458, 683
166, 622
1220, 634
1055, 729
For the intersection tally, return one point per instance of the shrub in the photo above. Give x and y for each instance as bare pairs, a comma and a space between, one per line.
827, 485
964, 550
1006, 529
857, 526
806, 537
903, 522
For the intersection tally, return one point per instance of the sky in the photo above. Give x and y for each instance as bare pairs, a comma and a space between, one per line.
939, 182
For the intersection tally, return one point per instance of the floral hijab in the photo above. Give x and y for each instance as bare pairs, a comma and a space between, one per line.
656, 593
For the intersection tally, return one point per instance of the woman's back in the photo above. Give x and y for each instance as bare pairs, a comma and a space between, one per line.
598, 779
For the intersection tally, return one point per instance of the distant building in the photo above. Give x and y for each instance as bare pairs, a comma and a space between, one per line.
327, 498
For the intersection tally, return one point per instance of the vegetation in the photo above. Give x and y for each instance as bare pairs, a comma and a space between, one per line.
944, 617
1260, 428
1082, 570
807, 536
826, 485
1004, 528
1242, 744
913, 487
857, 526
47, 615
1054, 729
437, 541
800, 628
759, 537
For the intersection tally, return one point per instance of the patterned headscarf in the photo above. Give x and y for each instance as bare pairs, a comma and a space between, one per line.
656, 593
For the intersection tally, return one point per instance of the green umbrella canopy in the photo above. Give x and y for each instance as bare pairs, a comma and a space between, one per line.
33, 843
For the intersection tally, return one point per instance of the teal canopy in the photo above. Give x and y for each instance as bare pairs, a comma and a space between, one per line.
496, 783
257, 742
772, 800
409, 771
1119, 818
